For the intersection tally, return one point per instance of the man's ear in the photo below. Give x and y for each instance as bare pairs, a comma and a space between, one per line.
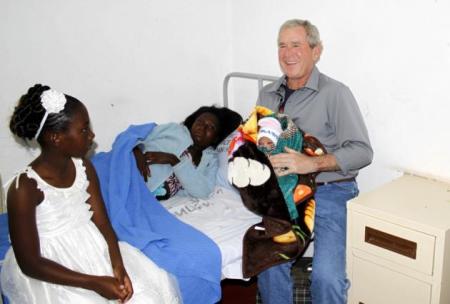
317, 51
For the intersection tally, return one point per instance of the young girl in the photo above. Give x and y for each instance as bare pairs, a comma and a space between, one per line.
63, 247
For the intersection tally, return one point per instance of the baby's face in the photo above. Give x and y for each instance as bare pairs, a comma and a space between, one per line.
266, 143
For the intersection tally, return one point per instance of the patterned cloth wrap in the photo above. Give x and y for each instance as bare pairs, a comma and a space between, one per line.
286, 203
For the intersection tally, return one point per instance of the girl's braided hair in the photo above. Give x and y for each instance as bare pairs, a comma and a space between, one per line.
29, 112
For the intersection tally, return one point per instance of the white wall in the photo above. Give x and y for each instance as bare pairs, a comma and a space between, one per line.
128, 61
147, 60
395, 57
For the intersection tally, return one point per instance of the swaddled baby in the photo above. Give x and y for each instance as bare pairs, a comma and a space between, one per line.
268, 134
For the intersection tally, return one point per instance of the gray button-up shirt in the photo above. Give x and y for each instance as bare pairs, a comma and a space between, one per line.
326, 109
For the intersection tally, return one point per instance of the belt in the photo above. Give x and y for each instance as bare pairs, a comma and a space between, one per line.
350, 179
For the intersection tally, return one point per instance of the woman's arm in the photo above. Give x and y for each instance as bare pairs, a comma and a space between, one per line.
101, 220
141, 163
154, 157
198, 181
22, 203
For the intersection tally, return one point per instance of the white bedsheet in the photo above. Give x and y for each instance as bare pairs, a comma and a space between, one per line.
223, 218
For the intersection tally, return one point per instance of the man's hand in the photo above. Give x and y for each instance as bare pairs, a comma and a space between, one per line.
292, 162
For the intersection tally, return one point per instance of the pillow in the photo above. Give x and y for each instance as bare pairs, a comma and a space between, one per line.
222, 173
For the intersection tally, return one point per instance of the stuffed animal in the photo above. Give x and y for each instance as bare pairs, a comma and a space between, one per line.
286, 204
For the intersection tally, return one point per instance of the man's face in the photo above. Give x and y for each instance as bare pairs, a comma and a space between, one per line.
295, 56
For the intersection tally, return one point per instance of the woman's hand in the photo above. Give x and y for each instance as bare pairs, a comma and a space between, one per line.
141, 163
110, 288
196, 154
161, 158
121, 275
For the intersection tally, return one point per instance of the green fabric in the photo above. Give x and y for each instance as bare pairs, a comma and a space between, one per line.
291, 137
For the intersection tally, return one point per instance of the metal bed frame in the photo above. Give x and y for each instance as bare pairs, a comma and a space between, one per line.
259, 77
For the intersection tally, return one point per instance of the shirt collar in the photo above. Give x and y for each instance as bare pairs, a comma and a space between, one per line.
312, 83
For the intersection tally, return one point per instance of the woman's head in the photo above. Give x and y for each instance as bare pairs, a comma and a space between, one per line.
209, 125
42, 111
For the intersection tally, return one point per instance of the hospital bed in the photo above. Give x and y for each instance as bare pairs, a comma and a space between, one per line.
223, 217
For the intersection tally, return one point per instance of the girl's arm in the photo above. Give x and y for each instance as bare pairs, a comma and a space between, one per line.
101, 220
22, 203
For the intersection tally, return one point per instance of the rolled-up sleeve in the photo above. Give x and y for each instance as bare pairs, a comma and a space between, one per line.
354, 150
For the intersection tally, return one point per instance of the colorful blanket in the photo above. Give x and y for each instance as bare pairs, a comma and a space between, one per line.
285, 203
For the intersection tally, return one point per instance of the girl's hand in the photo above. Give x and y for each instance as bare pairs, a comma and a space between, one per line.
161, 158
123, 278
109, 288
141, 163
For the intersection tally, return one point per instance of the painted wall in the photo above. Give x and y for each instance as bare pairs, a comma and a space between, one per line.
128, 61
147, 60
395, 57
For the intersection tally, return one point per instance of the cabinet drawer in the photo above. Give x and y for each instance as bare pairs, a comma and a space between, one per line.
374, 284
393, 242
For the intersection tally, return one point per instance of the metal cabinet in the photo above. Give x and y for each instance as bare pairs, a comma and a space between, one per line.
398, 243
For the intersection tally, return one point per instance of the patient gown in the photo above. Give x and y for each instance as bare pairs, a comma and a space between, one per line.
69, 237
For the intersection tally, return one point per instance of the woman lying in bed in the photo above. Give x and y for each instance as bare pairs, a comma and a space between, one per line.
181, 158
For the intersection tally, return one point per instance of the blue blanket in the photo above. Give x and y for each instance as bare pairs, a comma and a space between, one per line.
4, 236
4, 242
139, 219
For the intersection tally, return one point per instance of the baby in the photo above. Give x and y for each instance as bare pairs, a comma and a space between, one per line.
269, 142
268, 133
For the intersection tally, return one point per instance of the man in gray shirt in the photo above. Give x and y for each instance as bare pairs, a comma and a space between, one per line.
326, 109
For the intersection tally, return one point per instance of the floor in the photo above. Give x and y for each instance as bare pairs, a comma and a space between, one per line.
238, 292
242, 292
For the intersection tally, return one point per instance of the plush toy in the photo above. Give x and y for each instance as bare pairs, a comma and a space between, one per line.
286, 204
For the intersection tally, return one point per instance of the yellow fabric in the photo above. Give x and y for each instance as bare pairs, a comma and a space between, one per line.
250, 128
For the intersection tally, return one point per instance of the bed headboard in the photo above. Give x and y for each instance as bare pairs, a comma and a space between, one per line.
259, 77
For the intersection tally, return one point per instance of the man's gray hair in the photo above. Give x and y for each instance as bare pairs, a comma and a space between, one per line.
312, 33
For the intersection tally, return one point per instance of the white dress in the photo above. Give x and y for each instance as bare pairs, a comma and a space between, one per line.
69, 237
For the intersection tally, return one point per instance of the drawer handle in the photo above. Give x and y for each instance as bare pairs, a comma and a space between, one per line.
390, 242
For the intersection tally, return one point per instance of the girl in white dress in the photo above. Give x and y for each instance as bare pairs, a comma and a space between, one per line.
64, 249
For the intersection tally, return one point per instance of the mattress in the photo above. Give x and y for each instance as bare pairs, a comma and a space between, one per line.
223, 218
